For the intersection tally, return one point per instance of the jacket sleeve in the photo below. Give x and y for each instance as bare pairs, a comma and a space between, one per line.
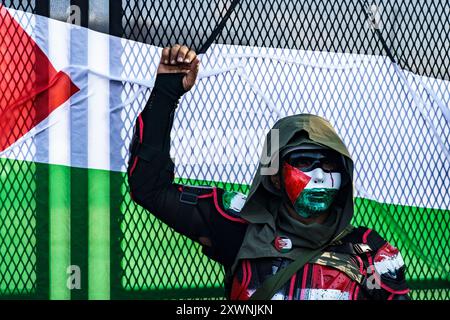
190, 211
386, 270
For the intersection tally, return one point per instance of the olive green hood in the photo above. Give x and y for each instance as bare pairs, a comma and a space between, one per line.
263, 209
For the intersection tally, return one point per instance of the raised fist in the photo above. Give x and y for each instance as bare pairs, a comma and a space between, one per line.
179, 59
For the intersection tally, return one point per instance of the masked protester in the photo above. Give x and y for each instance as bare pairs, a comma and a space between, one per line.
294, 224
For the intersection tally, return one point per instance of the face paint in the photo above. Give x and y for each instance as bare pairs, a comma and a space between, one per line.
311, 193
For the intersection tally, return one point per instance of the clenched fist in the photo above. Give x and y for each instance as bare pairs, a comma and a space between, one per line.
179, 59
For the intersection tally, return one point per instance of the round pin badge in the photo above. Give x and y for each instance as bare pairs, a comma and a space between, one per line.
283, 244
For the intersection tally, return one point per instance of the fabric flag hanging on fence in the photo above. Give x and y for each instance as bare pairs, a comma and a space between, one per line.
70, 97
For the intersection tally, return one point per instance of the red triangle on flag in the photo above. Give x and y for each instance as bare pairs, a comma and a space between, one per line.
30, 87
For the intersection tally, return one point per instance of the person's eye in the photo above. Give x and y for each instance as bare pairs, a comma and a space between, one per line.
329, 166
303, 163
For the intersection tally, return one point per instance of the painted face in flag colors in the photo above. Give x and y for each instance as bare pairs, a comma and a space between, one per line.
311, 193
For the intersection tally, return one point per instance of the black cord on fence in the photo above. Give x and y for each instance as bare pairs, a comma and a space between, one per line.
219, 28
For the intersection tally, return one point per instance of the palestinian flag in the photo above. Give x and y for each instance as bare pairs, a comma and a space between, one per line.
69, 99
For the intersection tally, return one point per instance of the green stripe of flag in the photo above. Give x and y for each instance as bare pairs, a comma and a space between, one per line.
99, 234
59, 206
79, 227
148, 261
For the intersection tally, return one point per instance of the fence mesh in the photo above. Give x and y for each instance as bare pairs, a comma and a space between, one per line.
154, 262
339, 27
17, 183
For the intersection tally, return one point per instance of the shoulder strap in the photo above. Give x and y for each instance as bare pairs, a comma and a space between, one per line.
272, 284
275, 282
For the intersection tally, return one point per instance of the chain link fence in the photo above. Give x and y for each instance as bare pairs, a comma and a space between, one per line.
18, 185
148, 260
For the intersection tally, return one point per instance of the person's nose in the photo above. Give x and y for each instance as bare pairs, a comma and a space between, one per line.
318, 175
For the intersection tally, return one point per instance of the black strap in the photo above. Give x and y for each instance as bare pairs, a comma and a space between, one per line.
219, 27
190, 194
272, 284
145, 151
378, 32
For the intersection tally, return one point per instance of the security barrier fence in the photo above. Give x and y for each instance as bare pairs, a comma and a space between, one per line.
147, 259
